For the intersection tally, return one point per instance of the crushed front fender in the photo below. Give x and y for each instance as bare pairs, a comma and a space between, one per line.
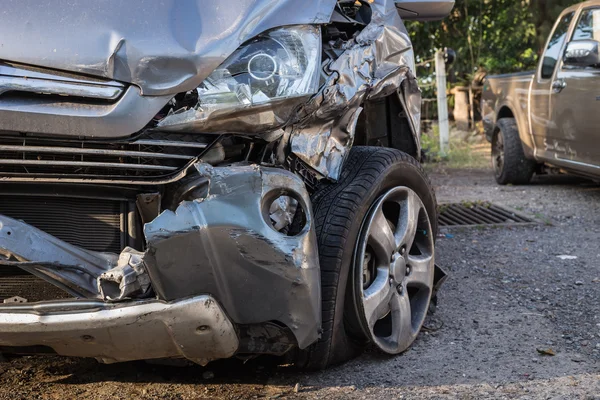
218, 260
224, 244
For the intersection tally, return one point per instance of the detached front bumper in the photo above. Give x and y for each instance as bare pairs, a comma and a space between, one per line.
195, 328
220, 275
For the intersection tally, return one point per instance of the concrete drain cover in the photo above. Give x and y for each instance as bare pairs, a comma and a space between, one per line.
479, 213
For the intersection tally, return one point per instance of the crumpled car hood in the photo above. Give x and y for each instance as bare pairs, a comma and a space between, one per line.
163, 47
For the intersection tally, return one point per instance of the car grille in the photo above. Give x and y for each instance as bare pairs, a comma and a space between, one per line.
29, 287
147, 158
103, 225
94, 224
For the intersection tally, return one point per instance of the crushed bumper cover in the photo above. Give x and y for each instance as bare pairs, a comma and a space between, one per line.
217, 245
195, 328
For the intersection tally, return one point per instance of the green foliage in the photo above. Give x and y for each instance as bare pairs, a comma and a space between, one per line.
461, 154
497, 36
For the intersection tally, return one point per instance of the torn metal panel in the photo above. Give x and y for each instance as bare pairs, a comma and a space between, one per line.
163, 47
225, 245
377, 63
128, 279
196, 328
324, 147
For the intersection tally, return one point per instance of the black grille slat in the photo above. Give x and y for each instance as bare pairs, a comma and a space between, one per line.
480, 213
151, 155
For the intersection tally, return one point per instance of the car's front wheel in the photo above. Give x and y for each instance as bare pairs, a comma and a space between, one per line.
376, 229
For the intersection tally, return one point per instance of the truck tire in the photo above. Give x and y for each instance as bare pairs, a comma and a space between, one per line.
340, 212
508, 159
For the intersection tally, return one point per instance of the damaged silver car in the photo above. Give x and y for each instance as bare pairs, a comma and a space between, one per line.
208, 179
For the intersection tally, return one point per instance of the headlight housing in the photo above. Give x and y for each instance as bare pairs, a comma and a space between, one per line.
258, 87
279, 64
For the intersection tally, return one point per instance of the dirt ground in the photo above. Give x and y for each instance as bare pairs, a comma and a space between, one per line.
509, 296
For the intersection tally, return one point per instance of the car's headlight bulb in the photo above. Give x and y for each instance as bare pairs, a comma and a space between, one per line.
262, 67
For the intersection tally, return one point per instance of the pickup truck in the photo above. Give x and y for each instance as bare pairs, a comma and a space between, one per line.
549, 117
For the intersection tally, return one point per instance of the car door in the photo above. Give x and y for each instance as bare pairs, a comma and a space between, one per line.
541, 89
575, 99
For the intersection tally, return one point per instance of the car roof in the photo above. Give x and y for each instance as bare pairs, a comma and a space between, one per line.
584, 4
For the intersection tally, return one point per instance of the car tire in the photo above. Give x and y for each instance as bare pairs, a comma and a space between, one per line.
340, 211
508, 159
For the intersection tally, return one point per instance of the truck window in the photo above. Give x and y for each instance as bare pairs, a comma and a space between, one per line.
588, 26
551, 54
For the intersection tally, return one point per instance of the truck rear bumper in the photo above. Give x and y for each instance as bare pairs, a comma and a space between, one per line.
195, 328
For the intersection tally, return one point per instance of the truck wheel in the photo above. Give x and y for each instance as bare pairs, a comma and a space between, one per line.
376, 229
508, 159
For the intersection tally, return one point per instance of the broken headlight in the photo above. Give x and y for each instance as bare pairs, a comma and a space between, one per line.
276, 65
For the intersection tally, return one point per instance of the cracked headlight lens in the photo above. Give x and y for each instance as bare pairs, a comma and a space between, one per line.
279, 64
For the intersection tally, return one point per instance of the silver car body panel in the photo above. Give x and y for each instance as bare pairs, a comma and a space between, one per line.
162, 47
196, 328
225, 245
69, 117
424, 10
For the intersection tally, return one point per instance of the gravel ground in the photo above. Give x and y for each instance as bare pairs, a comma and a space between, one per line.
508, 297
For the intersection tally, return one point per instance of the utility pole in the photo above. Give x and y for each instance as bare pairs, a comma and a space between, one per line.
442, 102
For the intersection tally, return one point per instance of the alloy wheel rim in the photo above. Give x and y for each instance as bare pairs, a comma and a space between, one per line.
498, 153
393, 270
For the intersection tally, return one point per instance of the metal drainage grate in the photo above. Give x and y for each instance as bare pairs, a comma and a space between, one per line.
479, 213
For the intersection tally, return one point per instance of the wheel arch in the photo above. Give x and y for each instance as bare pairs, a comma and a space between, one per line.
394, 131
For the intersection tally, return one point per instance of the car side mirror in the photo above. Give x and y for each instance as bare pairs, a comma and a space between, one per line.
582, 53
424, 10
